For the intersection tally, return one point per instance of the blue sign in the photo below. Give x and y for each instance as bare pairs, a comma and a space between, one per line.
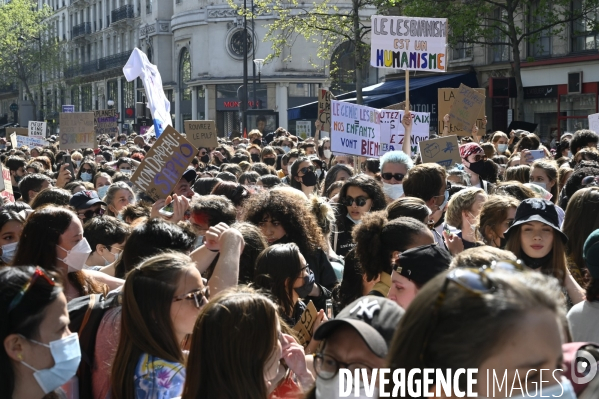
68, 109
14, 107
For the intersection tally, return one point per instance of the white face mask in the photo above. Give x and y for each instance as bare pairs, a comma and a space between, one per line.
126, 172
327, 153
393, 191
542, 185
77, 256
318, 173
8, 252
501, 148
569, 154
329, 389
102, 191
289, 169
77, 163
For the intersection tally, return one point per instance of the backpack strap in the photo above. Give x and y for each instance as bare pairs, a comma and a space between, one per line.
88, 312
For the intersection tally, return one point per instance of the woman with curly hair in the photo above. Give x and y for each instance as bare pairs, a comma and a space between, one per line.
358, 196
284, 219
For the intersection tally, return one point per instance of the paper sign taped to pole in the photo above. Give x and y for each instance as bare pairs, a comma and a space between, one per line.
324, 109
445, 151
164, 164
409, 43
355, 129
306, 323
77, 131
466, 107
392, 131
37, 129
445, 101
201, 133
594, 123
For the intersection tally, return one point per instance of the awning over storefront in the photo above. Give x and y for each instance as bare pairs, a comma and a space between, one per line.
423, 91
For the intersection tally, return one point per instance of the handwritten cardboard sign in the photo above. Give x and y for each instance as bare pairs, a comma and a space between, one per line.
324, 109
409, 43
37, 129
105, 122
466, 107
445, 151
355, 129
164, 164
30, 141
20, 131
77, 130
305, 324
7, 192
392, 131
594, 122
445, 101
201, 133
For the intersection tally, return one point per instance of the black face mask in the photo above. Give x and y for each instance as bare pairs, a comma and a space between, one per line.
306, 289
270, 161
309, 179
255, 158
205, 158
257, 142
477, 167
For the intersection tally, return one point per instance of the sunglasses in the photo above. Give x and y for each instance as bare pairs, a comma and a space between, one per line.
389, 176
38, 277
479, 157
305, 170
360, 201
475, 281
198, 296
90, 214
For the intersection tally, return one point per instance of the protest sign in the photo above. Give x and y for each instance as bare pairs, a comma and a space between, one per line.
594, 123
445, 151
466, 107
303, 129
37, 129
30, 141
105, 122
20, 131
392, 131
398, 106
408, 43
77, 131
201, 133
13, 140
355, 129
445, 101
305, 324
324, 109
164, 164
68, 109
7, 192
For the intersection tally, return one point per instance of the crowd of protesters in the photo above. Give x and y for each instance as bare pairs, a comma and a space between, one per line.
105, 293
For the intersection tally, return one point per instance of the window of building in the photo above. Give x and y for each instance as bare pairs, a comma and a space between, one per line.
75, 97
500, 52
585, 35
462, 51
185, 74
128, 94
86, 98
539, 45
112, 92
303, 89
343, 65
148, 6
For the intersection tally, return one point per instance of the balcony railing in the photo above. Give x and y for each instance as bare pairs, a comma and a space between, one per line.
81, 29
113, 61
124, 12
9, 88
87, 68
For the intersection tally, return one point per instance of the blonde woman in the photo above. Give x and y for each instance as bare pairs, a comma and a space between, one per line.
463, 211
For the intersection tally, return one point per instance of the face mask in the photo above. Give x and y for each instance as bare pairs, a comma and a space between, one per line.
393, 191
309, 179
126, 172
106, 261
569, 154
318, 173
286, 149
542, 185
501, 148
123, 142
77, 163
353, 220
306, 289
77, 256
198, 242
289, 169
86, 176
120, 217
270, 161
477, 167
329, 389
102, 191
327, 153
255, 158
205, 158
8, 252
445, 200
66, 354
18, 178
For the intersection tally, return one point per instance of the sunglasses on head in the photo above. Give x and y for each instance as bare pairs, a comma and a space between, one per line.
305, 170
90, 213
38, 277
360, 201
197, 296
389, 176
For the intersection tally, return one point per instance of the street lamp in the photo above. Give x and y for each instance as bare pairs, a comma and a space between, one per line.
259, 62
110, 104
39, 41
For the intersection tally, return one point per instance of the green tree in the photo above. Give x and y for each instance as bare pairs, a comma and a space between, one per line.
28, 46
505, 23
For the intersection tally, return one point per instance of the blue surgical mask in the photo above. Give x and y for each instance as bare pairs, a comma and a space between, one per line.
123, 142
8, 252
198, 242
353, 220
286, 149
66, 354
501, 148
86, 176
445, 200
102, 191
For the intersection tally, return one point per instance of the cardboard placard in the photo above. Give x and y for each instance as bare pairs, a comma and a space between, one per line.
20, 131
13, 140
164, 164
399, 106
30, 141
201, 133
408, 43
445, 101
445, 151
305, 324
77, 131
303, 129
7, 192
594, 123
466, 107
105, 122
392, 131
324, 109
355, 129
37, 129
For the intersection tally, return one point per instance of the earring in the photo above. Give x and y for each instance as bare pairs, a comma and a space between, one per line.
20, 356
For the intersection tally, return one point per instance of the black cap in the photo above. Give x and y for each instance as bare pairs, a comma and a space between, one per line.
190, 175
374, 318
421, 264
536, 210
85, 199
